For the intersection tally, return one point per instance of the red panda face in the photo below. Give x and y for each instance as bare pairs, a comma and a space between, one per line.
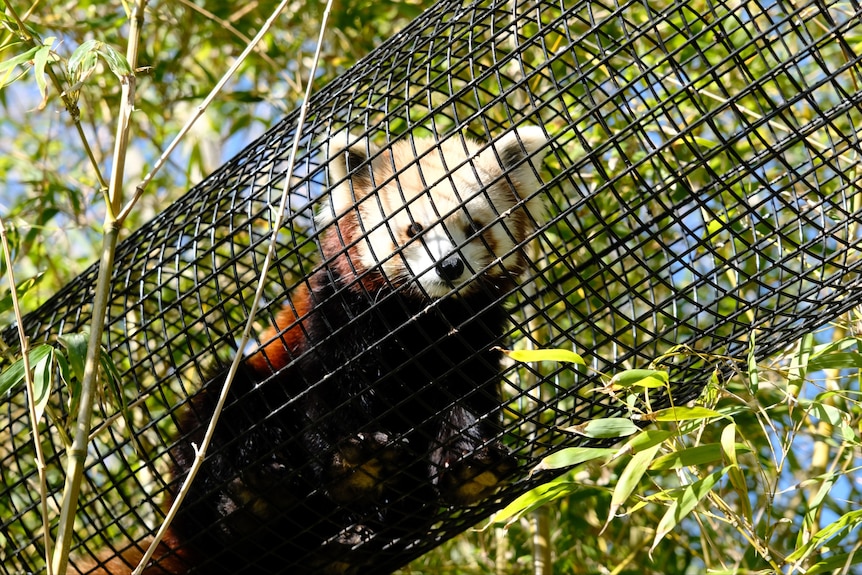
432, 217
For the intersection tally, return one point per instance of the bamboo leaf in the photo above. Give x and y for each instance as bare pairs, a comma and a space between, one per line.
693, 456
532, 355
835, 564
730, 449
534, 499
647, 378
753, 373
40, 62
572, 456
799, 364
836, 360
76, 351
21, 288
14, 374
630, 478
605, 428
842, 526
22, 58
43, 383
683, 414
684, 502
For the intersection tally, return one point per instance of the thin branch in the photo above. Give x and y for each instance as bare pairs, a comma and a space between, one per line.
203, 106
70, 103
31, 399
77, 453
228, 25
200, 452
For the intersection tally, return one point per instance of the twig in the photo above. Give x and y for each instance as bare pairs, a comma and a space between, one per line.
204, 105
227, 25
31, 399
69, 102
200, 452
77, 453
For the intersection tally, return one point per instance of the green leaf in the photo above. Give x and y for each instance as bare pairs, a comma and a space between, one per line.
836, 360
40, 62
647, 438
630, 478
753, 372
605, 428
21, 58
836, 563
43, 383
693, 456
730, 449
21, 289
76, 352
14, 374
799, 365
85, 57
839, 528
646, 378
532, 355
683, 414
534, 499
572, 456
684, 502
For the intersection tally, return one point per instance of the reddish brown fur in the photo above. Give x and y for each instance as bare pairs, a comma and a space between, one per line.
170, 558
278, 348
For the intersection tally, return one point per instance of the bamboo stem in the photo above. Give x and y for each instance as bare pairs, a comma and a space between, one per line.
200, 451
31, 399
77, 453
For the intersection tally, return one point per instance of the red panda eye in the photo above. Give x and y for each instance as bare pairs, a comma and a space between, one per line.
414, 229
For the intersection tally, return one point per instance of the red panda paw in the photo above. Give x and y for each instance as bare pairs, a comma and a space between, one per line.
474, 477
361, 466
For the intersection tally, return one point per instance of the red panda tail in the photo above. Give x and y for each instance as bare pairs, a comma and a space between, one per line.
167, 560
277, 352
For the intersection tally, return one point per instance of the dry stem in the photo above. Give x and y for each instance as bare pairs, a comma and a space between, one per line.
31, 399
200, 451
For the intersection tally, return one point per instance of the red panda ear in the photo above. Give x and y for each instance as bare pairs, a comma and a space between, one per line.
521, 152
349, 174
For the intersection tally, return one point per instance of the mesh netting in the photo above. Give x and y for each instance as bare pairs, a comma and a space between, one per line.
700, 184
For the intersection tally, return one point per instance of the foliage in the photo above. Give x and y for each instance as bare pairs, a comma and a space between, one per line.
50, 200
769, 482
767, 485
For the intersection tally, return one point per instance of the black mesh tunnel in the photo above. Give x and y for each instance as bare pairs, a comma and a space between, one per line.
701, 185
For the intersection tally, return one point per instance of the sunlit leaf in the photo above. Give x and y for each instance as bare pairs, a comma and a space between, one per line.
40, 61
684, 502
572, 456
692, 456
43, 382
836, 360
683, 414
730, 449
532, 355
630, 478
647, 378
753, 373
76, 352
14, 374
534, 499
605, 428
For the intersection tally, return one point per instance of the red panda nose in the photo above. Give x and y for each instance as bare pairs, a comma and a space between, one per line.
451, 268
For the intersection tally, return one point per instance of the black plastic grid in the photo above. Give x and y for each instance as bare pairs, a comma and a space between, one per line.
702, 185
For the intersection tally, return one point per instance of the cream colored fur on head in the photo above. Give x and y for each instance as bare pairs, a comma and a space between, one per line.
418, 206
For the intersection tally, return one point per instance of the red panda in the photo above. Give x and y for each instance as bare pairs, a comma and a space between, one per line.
373, 400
